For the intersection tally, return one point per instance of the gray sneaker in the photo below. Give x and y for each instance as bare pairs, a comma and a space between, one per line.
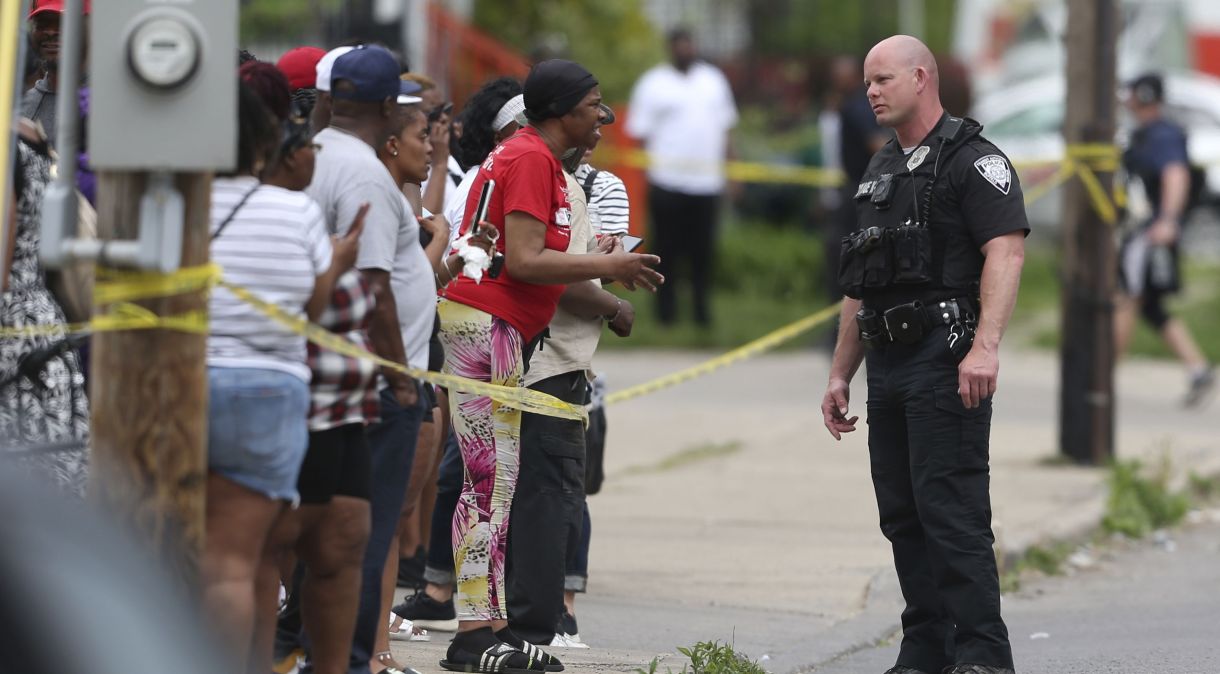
1201, 384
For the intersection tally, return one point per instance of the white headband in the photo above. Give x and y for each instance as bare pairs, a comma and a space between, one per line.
509, 112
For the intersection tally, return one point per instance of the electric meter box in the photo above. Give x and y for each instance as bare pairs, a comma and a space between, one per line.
163, 85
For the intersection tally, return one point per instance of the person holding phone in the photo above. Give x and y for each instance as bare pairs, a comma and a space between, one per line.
488, 327
550, 502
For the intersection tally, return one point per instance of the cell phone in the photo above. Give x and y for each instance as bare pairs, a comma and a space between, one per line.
480, 212
630, 243
438, 111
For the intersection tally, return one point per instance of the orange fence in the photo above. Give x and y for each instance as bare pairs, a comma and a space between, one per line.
463, 57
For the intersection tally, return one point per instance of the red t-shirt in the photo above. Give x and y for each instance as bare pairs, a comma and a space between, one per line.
528, 180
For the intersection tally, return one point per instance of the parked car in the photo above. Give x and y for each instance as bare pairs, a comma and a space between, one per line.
1026, 121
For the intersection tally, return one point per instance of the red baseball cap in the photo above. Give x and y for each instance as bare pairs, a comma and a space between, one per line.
40, 6
299, 65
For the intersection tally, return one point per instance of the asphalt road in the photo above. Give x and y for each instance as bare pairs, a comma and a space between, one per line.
1150, 609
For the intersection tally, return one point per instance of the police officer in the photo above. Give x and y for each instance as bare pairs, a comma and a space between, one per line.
931, 278
1149, 257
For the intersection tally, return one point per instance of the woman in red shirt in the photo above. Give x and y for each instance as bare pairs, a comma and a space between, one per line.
487, 326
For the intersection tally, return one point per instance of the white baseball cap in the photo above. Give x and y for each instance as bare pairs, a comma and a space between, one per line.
324, 66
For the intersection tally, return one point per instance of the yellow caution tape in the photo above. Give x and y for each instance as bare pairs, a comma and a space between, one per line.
1082, 161
740, 171
120, 285
527, 400
120, 316
748, 350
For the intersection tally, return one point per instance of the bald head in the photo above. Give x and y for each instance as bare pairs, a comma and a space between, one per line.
903, 82
905, 51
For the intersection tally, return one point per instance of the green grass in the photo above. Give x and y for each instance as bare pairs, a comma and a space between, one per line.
688, 456
738, 318
1141, 500
1198, 307
711, 657
1045, 559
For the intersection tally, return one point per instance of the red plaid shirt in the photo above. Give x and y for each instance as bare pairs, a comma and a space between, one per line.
344, 389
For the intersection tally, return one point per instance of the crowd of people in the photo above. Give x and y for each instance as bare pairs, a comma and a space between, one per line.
353, 205
356, 203
319, 463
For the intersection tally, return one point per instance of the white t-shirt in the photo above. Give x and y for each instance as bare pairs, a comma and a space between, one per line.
609, 208
455, 204
453, 173
348, 173
414, 290
275, 246
683, 119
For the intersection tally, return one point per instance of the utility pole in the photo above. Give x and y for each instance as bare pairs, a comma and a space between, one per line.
148, 391
1086, 411
163, 117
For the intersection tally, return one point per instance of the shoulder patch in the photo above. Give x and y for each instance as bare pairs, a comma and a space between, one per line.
995, 169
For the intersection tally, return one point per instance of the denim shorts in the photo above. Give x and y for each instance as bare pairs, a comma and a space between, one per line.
257, 431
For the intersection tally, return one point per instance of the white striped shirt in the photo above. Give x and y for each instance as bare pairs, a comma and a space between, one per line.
275, 246
609, 209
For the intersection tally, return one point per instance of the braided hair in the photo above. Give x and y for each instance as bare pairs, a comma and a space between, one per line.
478, 138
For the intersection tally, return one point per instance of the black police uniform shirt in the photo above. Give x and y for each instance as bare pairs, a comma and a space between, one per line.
974, 198
1155, 146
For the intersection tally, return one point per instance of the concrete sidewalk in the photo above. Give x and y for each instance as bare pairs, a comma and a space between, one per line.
730, 514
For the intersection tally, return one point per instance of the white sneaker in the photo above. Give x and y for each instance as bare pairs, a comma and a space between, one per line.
402, 629
568, 641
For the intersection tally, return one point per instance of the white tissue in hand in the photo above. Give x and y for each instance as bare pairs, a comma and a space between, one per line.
475, 260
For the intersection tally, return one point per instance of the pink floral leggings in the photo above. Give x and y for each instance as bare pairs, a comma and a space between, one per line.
485, 348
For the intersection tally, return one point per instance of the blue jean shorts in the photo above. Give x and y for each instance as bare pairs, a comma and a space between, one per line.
257, 431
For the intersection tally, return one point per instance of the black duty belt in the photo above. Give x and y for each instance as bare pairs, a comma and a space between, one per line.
909, 323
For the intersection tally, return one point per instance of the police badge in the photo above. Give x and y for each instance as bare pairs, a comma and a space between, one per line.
995, 169
917, 157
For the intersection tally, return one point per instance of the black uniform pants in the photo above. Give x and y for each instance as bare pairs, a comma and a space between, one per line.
548, 512
683, 228
929, 457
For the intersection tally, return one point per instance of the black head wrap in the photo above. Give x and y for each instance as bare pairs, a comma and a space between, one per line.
554, 87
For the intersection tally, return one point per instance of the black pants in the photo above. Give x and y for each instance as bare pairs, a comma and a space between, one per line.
392, 451
929, 457
439, 569
548, 512
683, 228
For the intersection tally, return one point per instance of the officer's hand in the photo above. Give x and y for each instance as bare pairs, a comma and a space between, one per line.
834, 409
1163, 232
977, 374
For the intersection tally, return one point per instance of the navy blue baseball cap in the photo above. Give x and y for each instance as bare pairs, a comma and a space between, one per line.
374, 74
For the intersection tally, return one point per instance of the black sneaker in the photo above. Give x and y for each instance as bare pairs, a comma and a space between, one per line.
899, 669
428, 613
411, 570
977, 669
1201, 384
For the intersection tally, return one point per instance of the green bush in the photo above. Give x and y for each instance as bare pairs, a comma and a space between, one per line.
770, 263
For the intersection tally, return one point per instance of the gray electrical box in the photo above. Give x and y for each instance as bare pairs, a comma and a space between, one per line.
163, 85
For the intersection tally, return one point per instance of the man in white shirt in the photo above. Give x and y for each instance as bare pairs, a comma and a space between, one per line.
683, 111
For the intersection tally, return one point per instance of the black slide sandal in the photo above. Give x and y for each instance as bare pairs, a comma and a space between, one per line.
494, 660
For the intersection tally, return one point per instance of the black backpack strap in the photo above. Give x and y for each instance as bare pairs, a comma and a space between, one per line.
588, 184
229, 218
